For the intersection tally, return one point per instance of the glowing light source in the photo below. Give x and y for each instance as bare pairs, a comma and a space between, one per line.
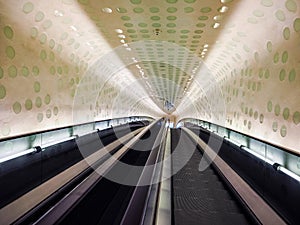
288, 172
218, 17
119, 31
57, 142
58, 13
73, 28
17, 155
223, 9
257, 155
107, 10
216, 25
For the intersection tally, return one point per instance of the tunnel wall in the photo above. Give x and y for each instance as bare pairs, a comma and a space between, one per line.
255, 63
45, 57
45, 54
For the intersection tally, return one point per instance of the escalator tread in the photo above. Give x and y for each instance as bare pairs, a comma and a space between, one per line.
199, 197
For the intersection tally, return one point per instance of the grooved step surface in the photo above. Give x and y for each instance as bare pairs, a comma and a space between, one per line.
199, 197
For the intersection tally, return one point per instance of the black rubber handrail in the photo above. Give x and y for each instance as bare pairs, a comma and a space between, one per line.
136, 209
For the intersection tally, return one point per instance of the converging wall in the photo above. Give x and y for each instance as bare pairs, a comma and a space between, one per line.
229, 62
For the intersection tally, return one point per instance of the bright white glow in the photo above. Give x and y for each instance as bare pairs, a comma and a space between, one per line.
58, 13
73, 28
218, 17
257, 155
205, 46
249, 150
289, 173
107, 10
57, 142
88, 132
119, 31
122, 41
216, 25
224, 9
205, 50
232, 141
121, 36
17, 155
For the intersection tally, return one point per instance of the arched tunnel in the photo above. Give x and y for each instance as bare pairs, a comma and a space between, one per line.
149, 112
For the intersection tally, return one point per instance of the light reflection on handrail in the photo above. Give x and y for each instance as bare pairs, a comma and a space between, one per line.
88, 132
57, 142
272, 163
286, 171
28, 151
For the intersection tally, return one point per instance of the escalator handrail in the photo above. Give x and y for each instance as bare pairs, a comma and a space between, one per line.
63, 207
260, 209
141, 192
22, 206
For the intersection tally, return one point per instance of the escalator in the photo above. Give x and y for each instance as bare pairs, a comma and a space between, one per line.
107, 202
196, 197
201, 197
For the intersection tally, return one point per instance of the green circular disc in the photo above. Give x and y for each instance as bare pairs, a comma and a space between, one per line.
277, 110
296, 118
297, 24
12, 71
28, 104
38, 102
8, 32
10, 52
286, 113
282, 74
283, 131
17, 108
28, 7
291, 6
270, 106
2, 91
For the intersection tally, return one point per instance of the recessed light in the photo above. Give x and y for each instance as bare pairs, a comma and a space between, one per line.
58, 13
205, 46
73, 28
216, 25
121, 36
119, 31
223, 9
122, 41
218, 17
107, 10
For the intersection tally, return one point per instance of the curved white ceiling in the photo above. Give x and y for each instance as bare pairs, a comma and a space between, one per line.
234, 63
